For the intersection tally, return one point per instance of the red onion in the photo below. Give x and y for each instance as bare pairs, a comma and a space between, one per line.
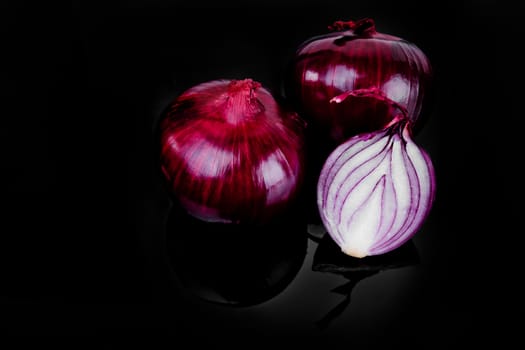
374, 67
231, 153
376, 190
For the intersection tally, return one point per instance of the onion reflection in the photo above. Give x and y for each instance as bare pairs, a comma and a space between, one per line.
235, 265
329, 258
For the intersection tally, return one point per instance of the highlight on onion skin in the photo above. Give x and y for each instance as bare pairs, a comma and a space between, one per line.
375, 190
356, 58
231, 153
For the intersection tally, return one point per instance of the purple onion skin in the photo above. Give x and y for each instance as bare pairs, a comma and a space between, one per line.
375, 191
355, 57
230, 153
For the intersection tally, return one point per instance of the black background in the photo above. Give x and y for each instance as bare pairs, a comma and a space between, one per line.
84, 212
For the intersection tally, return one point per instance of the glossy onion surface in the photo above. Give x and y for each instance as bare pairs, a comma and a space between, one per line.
375, 191
356, 58
230, 153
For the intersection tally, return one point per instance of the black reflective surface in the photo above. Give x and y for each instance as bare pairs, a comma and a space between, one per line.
235, 265
328, 258
287, 278
91, 244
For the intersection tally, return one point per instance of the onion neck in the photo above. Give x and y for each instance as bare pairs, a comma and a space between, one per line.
241, 100
364, 26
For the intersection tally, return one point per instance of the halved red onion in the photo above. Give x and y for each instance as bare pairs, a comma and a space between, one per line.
375, 190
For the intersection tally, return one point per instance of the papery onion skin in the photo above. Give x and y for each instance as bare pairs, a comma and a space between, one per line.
376, 190
355, 57
231, 153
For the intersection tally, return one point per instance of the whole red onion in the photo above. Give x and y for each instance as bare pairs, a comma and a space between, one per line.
376, 69
231, 153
